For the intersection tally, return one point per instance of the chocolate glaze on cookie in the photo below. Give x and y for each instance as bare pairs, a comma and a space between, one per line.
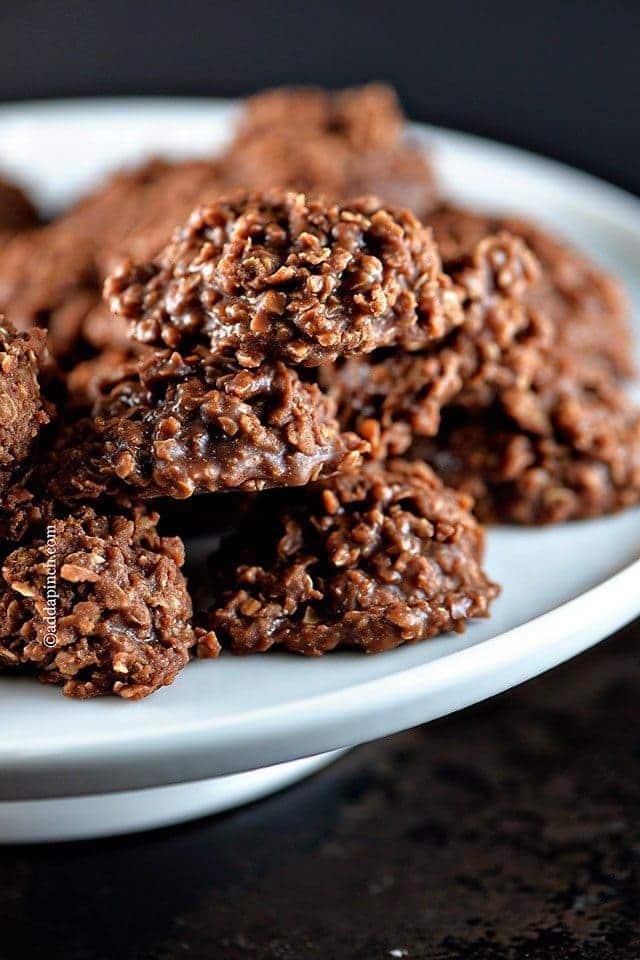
177, 425
368, 561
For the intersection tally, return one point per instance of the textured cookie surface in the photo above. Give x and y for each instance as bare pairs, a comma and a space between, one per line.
176, 425
368, 561
283, 276
98, 605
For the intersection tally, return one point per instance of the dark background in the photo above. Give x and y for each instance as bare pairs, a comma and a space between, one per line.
558, 76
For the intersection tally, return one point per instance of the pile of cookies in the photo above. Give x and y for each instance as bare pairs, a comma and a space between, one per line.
341, 375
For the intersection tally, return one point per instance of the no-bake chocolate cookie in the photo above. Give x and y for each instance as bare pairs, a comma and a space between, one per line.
23, 409
17, 213
586, 305
339, 145
52, 276
367, 561
97, 605
392, 397
568, 450
368, 117
282, 276
177, 425
25, 412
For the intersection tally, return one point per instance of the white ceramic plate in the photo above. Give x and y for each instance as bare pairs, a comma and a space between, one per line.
564, 588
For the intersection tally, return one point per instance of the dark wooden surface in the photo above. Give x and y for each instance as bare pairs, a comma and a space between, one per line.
511, 830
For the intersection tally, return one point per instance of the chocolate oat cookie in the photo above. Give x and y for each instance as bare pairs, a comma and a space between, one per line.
368, 117
52, 276
505, 341
586, 305
369, 561
17, 213
392, 397
25, 412
568, 450
282, 276
97, 605
48, 279
338, 145
324, 166
176, 425
23, 409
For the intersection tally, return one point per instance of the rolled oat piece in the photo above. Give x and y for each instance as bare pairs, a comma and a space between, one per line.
177, 425
285, 277
565, 451
369, 561
98, 605
586, 306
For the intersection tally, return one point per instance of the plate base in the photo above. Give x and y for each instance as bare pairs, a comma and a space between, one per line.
107, 815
